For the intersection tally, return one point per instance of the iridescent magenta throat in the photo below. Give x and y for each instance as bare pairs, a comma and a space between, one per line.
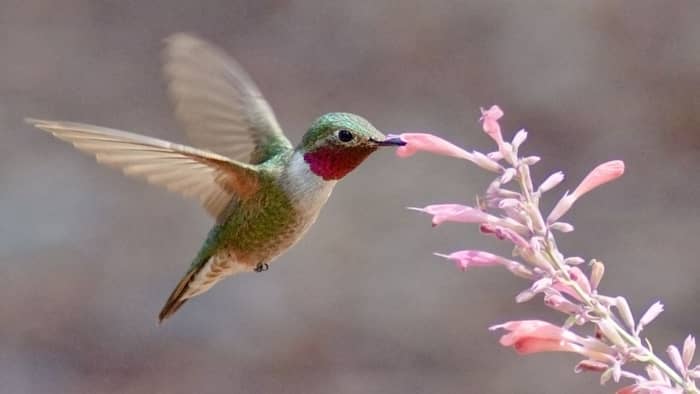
333, 163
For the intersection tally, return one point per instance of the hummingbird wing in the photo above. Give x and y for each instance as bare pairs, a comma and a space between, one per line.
212, 178
217, 102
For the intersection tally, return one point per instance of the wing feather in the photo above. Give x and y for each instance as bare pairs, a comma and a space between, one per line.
217, 102
207, 176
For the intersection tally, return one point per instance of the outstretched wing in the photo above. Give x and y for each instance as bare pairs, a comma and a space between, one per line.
212, 178
217, 102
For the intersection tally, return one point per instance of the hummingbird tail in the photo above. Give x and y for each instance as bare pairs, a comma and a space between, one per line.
177, 297
206, 272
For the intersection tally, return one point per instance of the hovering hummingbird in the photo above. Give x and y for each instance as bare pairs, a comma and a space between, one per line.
263, 193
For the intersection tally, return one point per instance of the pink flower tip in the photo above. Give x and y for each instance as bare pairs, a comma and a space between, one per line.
649, 387
534, 336
493, 113
489, 120
473, 258
504, 233
600, 175
453, 213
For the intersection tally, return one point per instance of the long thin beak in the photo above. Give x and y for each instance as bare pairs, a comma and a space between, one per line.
391, 141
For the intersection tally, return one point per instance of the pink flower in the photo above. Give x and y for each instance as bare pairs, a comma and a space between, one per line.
453, 213
551, 182
474, 258
652, 313
649, 388
535, 336
600, 175
528, 329
489, 119
505, 233
429, 143
565, 289
591, 366
580, 278
560, 303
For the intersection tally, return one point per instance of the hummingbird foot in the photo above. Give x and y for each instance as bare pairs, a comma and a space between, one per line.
262, 267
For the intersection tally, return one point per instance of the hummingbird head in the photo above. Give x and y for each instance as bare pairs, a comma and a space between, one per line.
338, 142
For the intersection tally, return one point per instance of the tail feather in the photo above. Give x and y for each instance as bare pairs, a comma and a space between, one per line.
200, 278
177, 297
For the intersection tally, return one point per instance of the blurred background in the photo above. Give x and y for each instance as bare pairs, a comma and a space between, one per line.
88, 257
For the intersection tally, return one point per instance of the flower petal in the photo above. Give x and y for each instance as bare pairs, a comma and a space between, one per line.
625, 312
551, 182
489, 120
675, 355
600, 175
533, 336
429, 143
453, 213
688, 350
648, 316
519, 138
474, 258
529, 345
505, 233
597, 272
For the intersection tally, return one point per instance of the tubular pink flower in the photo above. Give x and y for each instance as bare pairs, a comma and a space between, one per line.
565, 289
519, 138
489, 120
652, 313
519, 329
453, 213
534, 336
551, 182
537, 345
590, 366
688, 351
597, 272
562, 227
675, 356
580, 278
485, 162
560, 303
649, 388
429, 143
505, 233
600, 175
474, 258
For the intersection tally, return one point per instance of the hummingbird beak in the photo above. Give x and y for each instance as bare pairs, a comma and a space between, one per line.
391, 140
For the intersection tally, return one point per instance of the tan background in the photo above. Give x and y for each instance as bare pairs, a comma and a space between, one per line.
87, 257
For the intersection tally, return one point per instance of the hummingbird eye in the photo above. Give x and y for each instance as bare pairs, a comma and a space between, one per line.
345, 135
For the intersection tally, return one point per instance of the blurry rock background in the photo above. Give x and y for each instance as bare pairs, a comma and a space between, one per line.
87, 256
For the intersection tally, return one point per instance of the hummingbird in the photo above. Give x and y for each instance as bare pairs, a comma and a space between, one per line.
263, 193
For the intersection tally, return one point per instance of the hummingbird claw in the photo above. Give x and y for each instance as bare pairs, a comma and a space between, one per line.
261, 267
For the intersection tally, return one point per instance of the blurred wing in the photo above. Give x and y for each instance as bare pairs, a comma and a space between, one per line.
218, 103
212, 178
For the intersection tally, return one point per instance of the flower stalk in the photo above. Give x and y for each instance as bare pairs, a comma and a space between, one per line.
514, 215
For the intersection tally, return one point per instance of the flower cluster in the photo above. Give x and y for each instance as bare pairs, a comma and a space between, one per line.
513, 214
